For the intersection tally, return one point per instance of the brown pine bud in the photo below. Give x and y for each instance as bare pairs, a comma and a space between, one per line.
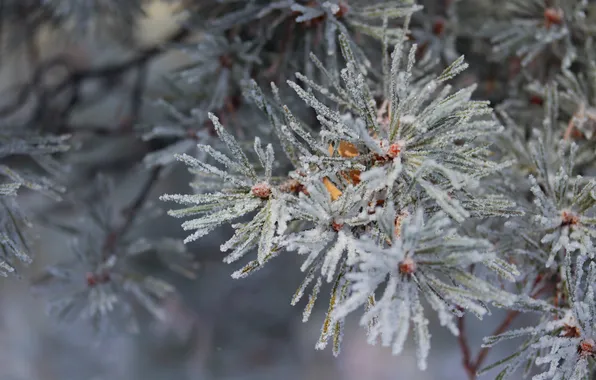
552, 17
395, 149
571, 331
343, 10
336, 226
261, 190
536, 100
586, 347
438, 27
568, 218
407, 266
91, 281
94, 279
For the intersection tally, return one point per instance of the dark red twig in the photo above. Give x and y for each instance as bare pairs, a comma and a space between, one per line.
504, 326
472, 366
462, 340
131, 212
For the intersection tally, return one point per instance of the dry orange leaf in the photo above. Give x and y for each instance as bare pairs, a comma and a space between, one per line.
332, 189
346, 149
398, 221
353, 176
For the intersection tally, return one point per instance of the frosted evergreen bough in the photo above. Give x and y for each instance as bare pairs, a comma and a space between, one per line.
332, 222
411, 138
413, 260
566, 214
13, 219
354, 139
244, 191
307, 26
533, 27
563, 343
99, 282
420, 149
560, 216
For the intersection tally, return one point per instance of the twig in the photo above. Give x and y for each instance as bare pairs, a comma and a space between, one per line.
110, 76
473, 366
504, 326
465, 349
131, 212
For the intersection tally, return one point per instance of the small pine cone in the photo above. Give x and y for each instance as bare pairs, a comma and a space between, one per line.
293, 186
261, 190
408, 266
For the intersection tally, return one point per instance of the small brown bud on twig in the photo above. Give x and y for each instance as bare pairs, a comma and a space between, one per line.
261, 190
407, 266
552, 17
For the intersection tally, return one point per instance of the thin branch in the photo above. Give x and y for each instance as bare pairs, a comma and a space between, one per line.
131, 212
462, 340
504, 326
473, 366
110, 75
